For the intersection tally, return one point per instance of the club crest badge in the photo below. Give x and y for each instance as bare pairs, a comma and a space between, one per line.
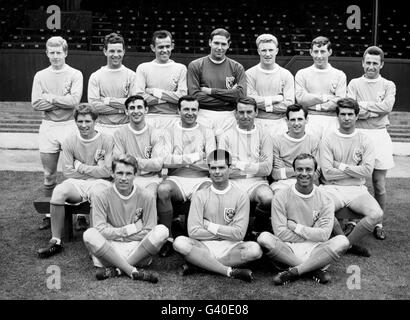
67, 88
229, 214
358, 155
229, 82
147, 152
138, 214
315, 216
333, 87
99, 155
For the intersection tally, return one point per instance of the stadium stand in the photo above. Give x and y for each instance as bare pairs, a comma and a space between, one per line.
191, 22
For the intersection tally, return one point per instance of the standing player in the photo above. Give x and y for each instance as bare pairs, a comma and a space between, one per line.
161, 82
186, 146
217, 82
302, 221
86, 160
346, 160
141, 141
110, 86
217, 223
319, 87
376, 97
272, 86
289, 145
56, 91
251, 149
125, 232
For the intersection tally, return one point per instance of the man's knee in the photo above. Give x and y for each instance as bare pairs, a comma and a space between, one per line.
253, 251
339, 244
267, 240
93, 239
60, 194
182, 245
375, 214
164, 191
159, 234
264, 196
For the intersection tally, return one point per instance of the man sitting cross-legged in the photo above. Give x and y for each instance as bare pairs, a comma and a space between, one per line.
186, 146
217, 223
251, 148
86, 162
347, 158
302, 221
125, 231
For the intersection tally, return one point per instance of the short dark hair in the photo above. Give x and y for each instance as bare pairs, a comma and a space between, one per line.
295, 108
85, 108
219, 154
113, 38
221, 32
321, 41
160, 34
125, 159
186, 98
133, 98
247, 100
348, 103
373, 50
304, 156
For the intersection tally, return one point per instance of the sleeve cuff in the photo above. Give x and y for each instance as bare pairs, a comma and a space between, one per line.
318, 107
342, 166
298, 229
130, 229
107, 100
268, 101
213, 228
157, 93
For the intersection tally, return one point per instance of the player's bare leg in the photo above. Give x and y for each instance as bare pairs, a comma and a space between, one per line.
242, 253
49, 162
379, 185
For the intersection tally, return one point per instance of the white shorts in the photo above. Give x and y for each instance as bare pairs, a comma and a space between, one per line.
143, 182
383, 147
249, 184
52, 134
302, 250
161, 121
187, 186
282, 184
318, 124
343, 195
218, 121
220, 248
85, 187
108, 128
124, 249
275, 127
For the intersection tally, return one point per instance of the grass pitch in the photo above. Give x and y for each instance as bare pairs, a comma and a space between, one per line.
384, 275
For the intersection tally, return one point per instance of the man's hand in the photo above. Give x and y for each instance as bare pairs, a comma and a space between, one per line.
149, 91
291, 225
206, 223
77, 164
206, 90
48, 97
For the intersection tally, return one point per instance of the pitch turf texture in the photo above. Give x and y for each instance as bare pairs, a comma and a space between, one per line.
384, 275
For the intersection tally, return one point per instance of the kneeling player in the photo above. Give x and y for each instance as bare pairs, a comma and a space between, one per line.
217, 223
302, 221
86, 161
125, 232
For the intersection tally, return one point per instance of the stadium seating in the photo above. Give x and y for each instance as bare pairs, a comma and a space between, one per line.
192, 21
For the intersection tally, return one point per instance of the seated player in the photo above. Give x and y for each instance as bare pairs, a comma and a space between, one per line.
376, 96
272, 86
125, 232
111, 85
161, 82
346, 159
143, 142
186, 145
86, 161
57, 89
318, 88
290, 144
302, 221
217, 223
251, 149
